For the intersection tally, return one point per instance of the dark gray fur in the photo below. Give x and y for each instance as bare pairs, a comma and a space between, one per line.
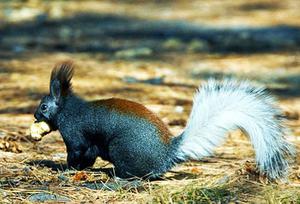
131, 143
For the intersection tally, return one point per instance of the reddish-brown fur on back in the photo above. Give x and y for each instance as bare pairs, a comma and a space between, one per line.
136, 109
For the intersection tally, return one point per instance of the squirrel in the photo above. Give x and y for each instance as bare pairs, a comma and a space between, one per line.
139, 144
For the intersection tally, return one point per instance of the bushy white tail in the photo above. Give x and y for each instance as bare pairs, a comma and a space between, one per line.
220, 107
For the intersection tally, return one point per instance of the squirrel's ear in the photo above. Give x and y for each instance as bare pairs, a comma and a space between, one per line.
62, 73
55, 89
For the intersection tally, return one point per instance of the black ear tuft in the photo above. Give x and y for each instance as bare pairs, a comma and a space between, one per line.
63, 72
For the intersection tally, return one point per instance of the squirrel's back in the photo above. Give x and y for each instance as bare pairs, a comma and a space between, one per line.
136, 110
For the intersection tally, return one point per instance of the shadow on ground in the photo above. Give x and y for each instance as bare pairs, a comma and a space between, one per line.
56, 166
50, 164
286, 85
103, 33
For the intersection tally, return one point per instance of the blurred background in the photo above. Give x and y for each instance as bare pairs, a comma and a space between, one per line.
202, 38
153, 52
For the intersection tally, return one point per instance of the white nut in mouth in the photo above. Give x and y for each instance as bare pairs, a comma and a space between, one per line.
38, 130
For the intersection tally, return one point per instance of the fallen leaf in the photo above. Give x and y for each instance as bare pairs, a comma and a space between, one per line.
80, 176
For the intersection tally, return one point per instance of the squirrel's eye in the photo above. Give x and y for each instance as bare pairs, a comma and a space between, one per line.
44, 107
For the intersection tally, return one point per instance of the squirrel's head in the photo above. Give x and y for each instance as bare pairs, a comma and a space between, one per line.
60, 88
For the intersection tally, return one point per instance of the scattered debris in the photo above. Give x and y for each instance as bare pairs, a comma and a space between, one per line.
10, 146
114, 186
291, 115
80, 176
177, 122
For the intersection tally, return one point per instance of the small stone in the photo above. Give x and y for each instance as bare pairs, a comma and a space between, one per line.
43, 197
59, 156
63, 178
179, 109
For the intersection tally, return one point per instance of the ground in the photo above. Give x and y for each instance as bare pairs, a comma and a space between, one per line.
155, 53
